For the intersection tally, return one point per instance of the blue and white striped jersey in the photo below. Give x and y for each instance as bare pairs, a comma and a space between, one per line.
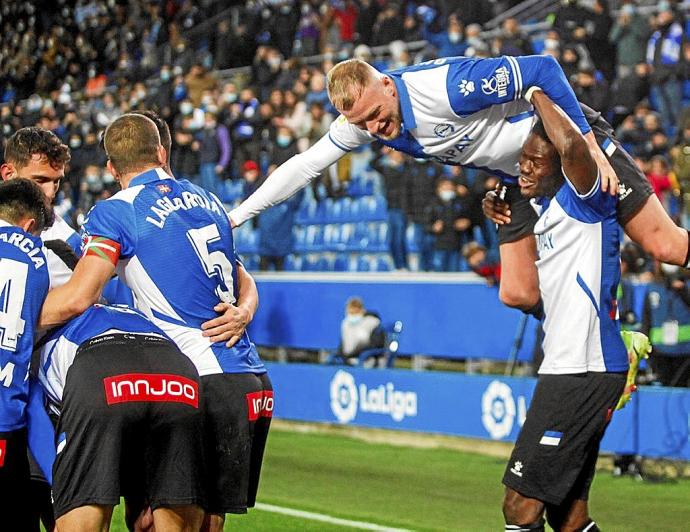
23, 287
456, 110
578, 240
60, 230
469, 112
59, 349
176, 253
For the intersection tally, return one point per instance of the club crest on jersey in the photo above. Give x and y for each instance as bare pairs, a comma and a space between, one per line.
163, 188
466, 87
498, 83
444, 130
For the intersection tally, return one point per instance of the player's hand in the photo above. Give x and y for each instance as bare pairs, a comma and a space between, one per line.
494, 208
229, 326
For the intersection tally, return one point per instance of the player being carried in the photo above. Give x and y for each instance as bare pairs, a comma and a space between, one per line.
583, 373
474, 113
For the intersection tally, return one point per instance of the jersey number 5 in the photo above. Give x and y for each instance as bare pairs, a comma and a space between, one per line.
13, 276
215, 262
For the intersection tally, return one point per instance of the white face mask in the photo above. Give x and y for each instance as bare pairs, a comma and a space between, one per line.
186, 108
353, 319
447, 195
669, 269
454, 37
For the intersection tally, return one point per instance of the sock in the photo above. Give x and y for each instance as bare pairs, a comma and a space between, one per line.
591, 526
687, 256
537, 526
537, 310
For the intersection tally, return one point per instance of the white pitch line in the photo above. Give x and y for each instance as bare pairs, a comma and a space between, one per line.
326, 518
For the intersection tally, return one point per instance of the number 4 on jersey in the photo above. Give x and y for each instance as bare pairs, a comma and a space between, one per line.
215, 262
13, 275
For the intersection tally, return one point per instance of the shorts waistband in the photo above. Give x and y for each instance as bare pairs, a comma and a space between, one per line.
122, 338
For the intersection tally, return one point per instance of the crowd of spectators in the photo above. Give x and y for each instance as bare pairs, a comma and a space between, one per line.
72, 67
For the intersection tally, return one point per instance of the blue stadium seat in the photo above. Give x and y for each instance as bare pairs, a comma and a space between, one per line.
341, 263
384, 263
299, 234
307, 212
293, 263
364, 264
412, 238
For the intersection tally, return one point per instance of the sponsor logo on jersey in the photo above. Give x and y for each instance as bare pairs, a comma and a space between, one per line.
623, 191
260, 404
151, 387
498, 83
444, 130
3, 450
347, 399
163, 188
551, 438
466, 87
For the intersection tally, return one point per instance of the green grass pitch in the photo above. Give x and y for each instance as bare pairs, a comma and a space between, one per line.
424, 489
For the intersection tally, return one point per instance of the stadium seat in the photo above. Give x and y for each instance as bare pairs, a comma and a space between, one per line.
341, 263
364, 264
384, 263
293, 263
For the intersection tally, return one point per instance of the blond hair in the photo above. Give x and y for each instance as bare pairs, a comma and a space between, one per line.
131, 143
346, 82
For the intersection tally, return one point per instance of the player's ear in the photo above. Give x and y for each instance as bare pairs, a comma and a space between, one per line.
388, 86
162, 155
8, 171
111, 169
28, 225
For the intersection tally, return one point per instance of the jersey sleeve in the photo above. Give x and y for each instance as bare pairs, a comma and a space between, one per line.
346, 136
476, 84
593, 206
114, 221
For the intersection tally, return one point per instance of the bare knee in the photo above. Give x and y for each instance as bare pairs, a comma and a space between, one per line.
184, 518
213, 523
520, 510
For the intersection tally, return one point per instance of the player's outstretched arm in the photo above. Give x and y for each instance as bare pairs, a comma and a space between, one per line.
578, 164
79, 293
230, 326
291, 176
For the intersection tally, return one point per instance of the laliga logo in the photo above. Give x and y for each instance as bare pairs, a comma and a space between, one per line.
498, 410
346, 398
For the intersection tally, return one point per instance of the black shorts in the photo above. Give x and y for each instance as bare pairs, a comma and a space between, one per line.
14, 480
556, 452
238, 409
634, 187
131, 425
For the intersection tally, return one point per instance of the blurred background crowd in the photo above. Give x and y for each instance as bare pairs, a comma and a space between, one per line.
242, 86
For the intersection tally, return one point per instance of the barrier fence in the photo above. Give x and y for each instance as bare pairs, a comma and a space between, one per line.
654, 424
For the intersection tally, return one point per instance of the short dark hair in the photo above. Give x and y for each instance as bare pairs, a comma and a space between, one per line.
161, 125
21, 198
539, 130
30, 141
131, 143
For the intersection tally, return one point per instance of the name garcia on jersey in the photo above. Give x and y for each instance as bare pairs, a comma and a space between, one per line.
165, 206
26, 245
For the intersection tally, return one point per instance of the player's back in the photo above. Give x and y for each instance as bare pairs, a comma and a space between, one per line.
177, 255
23, 288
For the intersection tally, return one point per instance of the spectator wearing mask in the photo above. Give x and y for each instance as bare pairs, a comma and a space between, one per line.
448, 222
214, 152
360, 330
629, 35
391, 165
185, 150
284, 148
664, 56
449, 42
243, 131
666, 320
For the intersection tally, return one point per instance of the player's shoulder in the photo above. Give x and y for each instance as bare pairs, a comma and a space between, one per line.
20, 246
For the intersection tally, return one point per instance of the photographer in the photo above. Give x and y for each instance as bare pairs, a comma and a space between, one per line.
666, 319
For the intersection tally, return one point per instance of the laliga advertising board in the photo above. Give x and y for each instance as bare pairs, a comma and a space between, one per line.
485, 407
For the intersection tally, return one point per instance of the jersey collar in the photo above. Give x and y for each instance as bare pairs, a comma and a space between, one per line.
149, 176
408, 119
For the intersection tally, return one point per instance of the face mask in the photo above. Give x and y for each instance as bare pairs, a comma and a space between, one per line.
206, 99
669, 269
186, 108
74, 143
230, 97
446, 195
285, 10
454, 37
165, 76
210, 125
551, 44
274, 61
283, 141
353, 319
92, 178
